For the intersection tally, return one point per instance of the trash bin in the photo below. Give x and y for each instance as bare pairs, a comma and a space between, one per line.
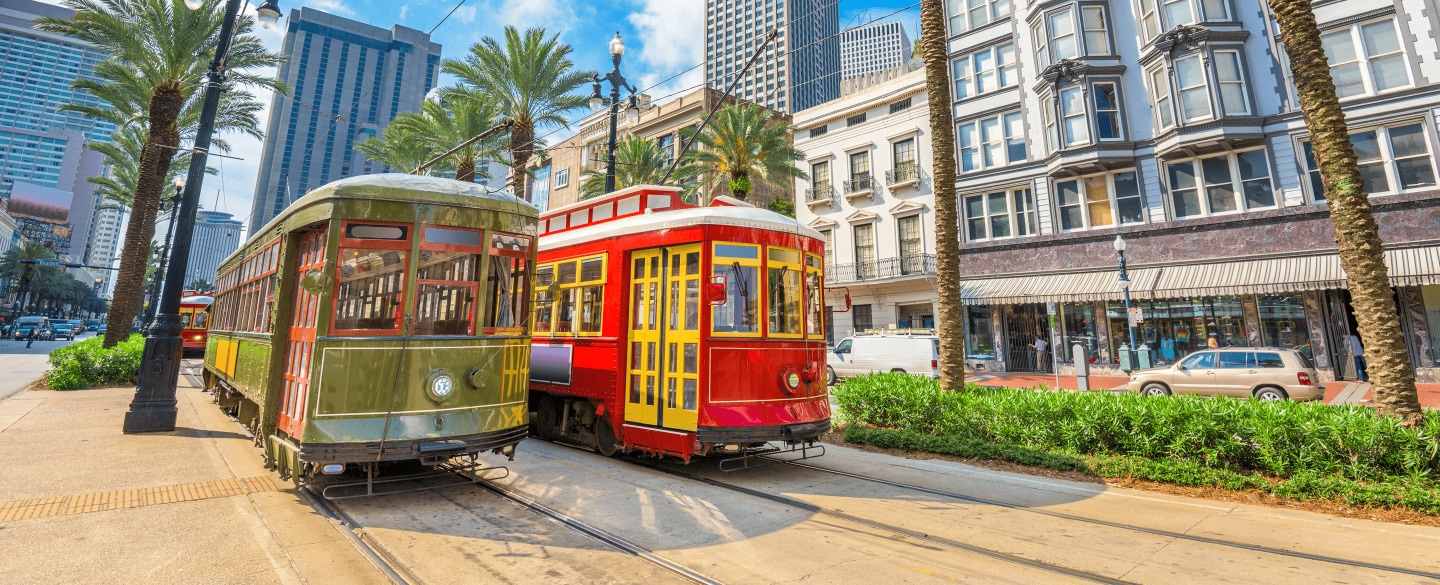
1125, 358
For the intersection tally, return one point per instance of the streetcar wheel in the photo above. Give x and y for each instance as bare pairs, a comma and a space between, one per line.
605, 437
830, 377
545, 421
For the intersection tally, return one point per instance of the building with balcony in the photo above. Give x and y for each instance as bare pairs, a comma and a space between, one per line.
564, 164
1175, 125
870, 193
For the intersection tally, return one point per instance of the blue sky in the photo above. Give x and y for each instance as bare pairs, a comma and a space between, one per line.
662, 37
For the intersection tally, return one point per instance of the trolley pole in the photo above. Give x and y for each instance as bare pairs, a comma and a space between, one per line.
153, 409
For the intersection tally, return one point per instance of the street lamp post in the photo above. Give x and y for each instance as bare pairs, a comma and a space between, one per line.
632, 112
153, 409
165, 250
1125, 288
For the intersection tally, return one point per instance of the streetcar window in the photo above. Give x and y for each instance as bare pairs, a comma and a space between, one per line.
445, 293
814, 297
202, 319
783, 281
362, 231
740, 313
506, 293
368, 292
544, 311
578, 300
451, 236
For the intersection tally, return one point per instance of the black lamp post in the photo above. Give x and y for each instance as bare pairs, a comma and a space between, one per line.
632, 112
165, 250
153, 408
1125, 288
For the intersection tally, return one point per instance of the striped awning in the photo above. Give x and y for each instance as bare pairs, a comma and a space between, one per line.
1408, 267
1103, 285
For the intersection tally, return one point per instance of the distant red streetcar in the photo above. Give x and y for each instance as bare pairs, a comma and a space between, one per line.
195, 319
670, 329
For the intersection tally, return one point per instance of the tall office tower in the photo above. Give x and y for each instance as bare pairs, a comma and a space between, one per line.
217, 235
336, 66
800, 69
43, 150
871, 48
105, 247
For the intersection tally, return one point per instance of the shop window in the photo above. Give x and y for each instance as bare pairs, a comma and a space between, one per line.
1430, 296
984, 71
1366, 59
1392, 159
1220, 184
979, 337
1097, 201
1174, 328
739, 266
1077, 323
1282, 323
782, 279
991, 142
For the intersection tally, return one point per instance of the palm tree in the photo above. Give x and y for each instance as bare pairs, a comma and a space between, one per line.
531, 77
458, 115
744, 144
396, 150
122, 159
638, 161
947, 222
159, 53
1357, 236
17, 264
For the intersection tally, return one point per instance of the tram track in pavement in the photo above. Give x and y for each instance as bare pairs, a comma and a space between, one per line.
362, 541
897, 530
1118, 525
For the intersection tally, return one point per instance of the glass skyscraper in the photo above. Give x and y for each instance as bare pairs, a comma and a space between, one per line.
336, 66
800, 69
39, 143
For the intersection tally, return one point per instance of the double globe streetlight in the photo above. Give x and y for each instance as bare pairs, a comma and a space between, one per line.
632, 111
153, 409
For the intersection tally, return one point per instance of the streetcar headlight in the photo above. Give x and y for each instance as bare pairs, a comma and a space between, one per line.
793, 380
439, 385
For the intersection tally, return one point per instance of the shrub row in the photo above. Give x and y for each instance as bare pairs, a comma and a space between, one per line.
87, 364
1274, 439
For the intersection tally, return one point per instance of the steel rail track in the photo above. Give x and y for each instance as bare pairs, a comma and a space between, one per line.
930, 538
1097, 521
602, 536
362, 541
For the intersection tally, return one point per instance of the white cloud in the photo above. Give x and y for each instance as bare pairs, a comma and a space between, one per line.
404, 9
671, 40
465, 14
331, 6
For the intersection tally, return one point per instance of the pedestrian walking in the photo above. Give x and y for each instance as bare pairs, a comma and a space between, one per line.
1040, 355
1357, 352
30, 337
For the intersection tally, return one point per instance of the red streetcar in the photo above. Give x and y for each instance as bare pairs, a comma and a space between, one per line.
195, 319
671, 329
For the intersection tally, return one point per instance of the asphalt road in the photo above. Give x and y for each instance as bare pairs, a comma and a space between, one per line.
21, 366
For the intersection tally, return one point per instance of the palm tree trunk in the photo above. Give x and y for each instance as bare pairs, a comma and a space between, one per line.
522, 144
155, 160
947, 224
1357, 235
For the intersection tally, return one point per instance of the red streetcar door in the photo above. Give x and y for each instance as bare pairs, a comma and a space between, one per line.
643, 357
301, 339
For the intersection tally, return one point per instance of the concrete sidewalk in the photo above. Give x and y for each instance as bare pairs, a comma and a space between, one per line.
81, 502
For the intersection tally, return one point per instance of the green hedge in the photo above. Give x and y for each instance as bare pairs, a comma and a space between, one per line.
1295, 450
86, 364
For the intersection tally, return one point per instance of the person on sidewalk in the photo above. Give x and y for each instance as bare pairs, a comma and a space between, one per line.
1357, 352
1040, 355
30, 337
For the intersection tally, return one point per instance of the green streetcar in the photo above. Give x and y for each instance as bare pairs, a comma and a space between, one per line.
379, 318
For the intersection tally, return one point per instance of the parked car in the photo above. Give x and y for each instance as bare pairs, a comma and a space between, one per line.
885, 352
63, 329
1263, 373
23, 325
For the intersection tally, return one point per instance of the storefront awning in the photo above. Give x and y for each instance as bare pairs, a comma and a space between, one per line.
1408, 267
1054, 288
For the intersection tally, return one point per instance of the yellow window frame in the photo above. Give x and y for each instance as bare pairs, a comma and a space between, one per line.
579, 284
814, 265
756, 288
797, 265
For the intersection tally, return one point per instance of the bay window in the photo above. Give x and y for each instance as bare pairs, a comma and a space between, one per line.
1220, 184
1392, 159
1063, 43
1099, 201
1158, 16
972, 14
991, 142
1084, 121
984, 71
1097, 39
1194, 94
1187, 97
1072, 116
1160, 90
1366, 59
1001, 214
1060, 35
1231, 78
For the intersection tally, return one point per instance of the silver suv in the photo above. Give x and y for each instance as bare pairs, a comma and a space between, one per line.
1263, 373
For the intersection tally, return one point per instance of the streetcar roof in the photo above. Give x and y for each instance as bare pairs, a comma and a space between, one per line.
727, 215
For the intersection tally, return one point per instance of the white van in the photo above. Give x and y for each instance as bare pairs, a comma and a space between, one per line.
885, 352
